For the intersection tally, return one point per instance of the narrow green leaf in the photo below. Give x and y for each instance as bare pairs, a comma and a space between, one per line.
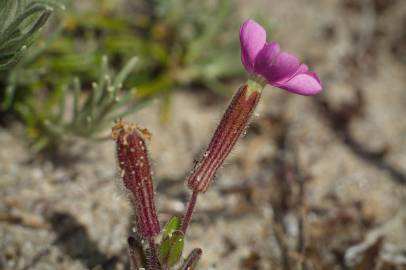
76, 101
18, 21
171, 226
170, 250
9, 96
176, 250
164, 250
98, 91
123, 74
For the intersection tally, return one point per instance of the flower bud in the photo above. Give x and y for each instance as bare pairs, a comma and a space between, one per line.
136, 174
233, 123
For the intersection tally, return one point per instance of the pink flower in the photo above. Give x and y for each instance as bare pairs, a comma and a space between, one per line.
278, 68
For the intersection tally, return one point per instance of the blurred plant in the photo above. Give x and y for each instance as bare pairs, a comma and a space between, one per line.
48, 124
171, 38
181, 35
19, 21
266, 64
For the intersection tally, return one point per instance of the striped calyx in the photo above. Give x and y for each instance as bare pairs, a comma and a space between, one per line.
232, 125
133, 161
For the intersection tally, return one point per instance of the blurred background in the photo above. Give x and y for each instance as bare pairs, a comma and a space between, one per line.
316, 183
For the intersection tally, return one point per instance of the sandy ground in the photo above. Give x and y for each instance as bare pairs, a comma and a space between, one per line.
330, 169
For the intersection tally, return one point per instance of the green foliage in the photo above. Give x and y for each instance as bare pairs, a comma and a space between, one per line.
178, 43
19, 21
49, 125
190, 41
173, 40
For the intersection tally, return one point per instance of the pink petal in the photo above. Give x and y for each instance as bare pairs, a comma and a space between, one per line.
266, 58
302, 69
252, 39
306, 84
315, 76
284, 66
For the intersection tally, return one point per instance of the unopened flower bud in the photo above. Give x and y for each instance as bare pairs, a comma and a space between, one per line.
136, 174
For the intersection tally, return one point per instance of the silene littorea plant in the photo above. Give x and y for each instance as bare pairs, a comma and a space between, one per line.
266, 64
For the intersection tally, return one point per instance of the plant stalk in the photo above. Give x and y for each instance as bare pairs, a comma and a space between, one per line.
189, 212
153, 255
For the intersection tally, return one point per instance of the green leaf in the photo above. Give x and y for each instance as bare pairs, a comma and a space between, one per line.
123, 74
171, 226
170, 250
164, 250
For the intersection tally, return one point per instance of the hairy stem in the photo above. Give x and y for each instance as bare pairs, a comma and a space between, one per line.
153, 254
189, 212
